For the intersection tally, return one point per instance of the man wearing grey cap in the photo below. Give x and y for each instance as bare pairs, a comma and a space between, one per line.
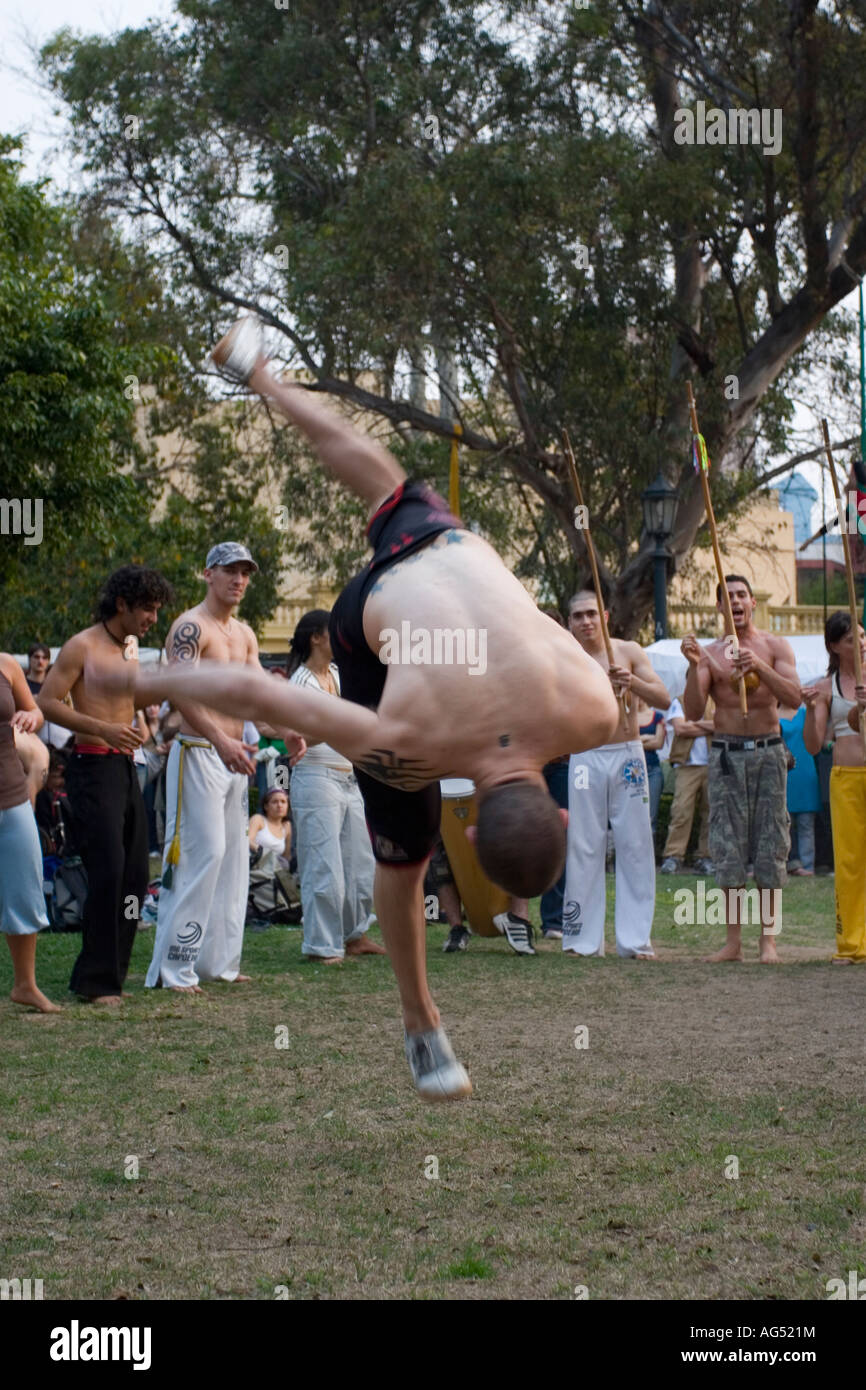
205, 872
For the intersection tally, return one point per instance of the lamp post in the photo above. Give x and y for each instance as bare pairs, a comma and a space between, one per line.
659, 502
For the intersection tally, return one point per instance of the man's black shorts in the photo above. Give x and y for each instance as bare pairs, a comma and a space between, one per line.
403, 825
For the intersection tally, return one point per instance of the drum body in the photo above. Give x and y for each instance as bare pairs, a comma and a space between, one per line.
482, 899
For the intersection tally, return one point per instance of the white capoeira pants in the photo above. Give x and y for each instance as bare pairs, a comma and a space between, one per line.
608, 784
200, 921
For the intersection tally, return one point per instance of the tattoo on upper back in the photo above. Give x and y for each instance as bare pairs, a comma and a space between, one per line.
409, 774
186, 643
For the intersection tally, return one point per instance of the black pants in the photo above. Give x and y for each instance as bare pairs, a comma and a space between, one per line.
403, 826
111, 836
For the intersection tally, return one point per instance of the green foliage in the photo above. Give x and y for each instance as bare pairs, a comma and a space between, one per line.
65, 419
503, 185
83, 327
810, 588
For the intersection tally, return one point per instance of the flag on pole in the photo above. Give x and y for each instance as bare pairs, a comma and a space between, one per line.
700, 457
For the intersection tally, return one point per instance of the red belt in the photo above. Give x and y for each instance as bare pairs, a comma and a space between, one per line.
99, 749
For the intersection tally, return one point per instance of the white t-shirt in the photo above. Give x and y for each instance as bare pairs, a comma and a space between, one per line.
698, 754
321, 752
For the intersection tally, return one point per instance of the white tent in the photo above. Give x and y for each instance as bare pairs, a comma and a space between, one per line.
669, 663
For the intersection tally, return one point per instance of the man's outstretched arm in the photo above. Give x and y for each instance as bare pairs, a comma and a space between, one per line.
246, 691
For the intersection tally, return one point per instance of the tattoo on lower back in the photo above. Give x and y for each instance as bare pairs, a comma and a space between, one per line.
409, 774
186, 643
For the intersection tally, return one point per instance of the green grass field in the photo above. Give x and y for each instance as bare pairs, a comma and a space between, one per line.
311, 1167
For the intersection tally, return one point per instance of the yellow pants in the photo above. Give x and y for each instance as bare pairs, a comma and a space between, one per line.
848, 816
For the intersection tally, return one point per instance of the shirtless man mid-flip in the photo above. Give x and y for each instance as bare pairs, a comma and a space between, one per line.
409, 720
748, 766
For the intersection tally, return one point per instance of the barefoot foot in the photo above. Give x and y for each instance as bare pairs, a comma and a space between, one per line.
186, 989
30, 996
362, 946
726, 953
241, 980
767, 953
323, 960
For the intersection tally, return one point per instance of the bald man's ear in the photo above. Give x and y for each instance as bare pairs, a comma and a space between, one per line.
472, 834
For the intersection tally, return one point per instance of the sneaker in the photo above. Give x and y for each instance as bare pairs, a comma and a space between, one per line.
703, 866
669, 866
458, 938
517, 932
552, 934
435, 1070
238, 352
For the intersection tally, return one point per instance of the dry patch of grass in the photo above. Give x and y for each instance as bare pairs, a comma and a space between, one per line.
304, 1166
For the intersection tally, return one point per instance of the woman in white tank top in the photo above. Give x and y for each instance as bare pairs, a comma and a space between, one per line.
272, 831
828, 704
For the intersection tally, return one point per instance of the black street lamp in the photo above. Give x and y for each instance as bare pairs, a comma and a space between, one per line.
659, 502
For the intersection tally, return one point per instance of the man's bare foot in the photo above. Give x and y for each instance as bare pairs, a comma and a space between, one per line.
726, 953
241, 980
767, 953
29, 995
362, 946
645, 955
324, 960
186, 989
843, 960
109, 999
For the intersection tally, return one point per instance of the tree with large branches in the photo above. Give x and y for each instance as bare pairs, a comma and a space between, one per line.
433, 181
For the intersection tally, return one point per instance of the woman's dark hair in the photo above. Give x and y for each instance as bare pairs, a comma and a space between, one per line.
38, 647
837, 627
310, 626
274, 791
137, 586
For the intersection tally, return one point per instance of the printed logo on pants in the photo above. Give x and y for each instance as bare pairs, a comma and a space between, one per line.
571, 923
187, 948
634, 777
387, 851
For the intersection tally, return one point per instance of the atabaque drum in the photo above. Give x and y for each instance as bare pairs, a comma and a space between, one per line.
482, 900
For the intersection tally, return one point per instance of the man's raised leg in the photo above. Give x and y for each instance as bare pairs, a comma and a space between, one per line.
354, 458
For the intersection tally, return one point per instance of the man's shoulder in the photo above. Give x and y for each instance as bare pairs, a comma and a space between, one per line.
191, 615
625, 647
80, 641
778, 645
